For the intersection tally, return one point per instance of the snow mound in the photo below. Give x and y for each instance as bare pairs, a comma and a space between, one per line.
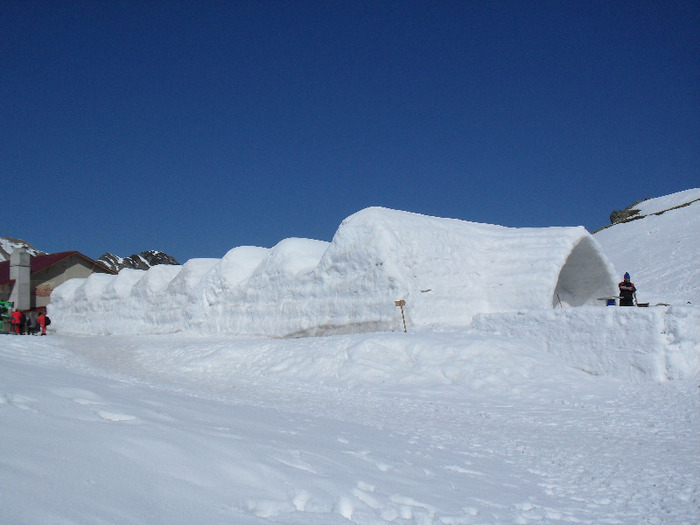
445, 270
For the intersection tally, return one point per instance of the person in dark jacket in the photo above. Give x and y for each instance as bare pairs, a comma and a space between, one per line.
31, 324
628, 292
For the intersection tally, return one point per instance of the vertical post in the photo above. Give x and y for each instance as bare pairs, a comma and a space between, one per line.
401, 303
20, 273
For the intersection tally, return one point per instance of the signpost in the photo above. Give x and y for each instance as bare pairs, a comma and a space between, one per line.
401, 303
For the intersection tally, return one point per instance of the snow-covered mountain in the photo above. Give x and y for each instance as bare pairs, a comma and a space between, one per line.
140, 261
9, 244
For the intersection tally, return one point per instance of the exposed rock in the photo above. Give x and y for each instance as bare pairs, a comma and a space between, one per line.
140, 261
622, 215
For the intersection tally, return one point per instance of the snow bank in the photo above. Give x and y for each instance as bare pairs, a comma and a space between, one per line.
445, 270
635, 344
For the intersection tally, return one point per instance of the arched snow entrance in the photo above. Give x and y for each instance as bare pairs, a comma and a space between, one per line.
585, 277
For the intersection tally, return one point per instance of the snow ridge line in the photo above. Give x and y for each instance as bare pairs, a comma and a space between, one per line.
636, 216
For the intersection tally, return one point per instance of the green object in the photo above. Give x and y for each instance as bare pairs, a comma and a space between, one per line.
5, 309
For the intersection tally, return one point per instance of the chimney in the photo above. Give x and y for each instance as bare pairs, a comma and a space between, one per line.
20, 272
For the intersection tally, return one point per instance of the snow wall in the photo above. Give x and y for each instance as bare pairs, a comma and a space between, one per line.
634, 344
446, 271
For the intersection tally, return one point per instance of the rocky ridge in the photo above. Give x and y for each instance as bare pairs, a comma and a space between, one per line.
139, 261
9, 244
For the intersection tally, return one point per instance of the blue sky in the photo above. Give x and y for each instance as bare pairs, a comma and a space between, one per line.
196, 127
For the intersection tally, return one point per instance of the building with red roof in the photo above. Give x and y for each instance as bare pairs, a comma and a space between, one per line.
28, 281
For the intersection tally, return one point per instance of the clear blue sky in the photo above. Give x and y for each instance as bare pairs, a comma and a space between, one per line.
194, 127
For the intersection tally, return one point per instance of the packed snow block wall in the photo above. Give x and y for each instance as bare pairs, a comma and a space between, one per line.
445, 270
635, 344
448, 270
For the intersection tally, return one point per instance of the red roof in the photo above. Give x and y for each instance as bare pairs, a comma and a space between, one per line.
41, 262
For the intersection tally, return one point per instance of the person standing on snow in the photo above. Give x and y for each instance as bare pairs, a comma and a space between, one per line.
32, 325
42, 322
16, 321
628, 292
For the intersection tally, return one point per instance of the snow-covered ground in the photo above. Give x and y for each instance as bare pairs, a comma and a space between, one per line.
543, 415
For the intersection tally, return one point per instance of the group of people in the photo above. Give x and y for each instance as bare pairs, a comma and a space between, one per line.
28, 324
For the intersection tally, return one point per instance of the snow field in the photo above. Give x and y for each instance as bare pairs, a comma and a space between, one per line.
498, 406
461, 429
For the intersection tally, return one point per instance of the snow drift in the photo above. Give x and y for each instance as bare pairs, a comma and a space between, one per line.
445, 270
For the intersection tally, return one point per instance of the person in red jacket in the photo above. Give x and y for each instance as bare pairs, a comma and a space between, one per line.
42, 322
16, 320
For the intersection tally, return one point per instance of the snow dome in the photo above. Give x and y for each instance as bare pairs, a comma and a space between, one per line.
444, 270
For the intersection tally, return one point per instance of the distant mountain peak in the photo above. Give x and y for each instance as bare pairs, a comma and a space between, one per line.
139, 261
10, 244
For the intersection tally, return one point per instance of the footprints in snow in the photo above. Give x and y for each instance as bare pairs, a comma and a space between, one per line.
96, 408
361, 501
17, 401
93, 401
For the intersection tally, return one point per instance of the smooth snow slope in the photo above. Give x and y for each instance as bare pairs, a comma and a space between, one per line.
661, 252
445, 270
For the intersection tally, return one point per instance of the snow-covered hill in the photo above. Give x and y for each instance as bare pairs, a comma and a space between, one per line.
549, 414
660, 248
